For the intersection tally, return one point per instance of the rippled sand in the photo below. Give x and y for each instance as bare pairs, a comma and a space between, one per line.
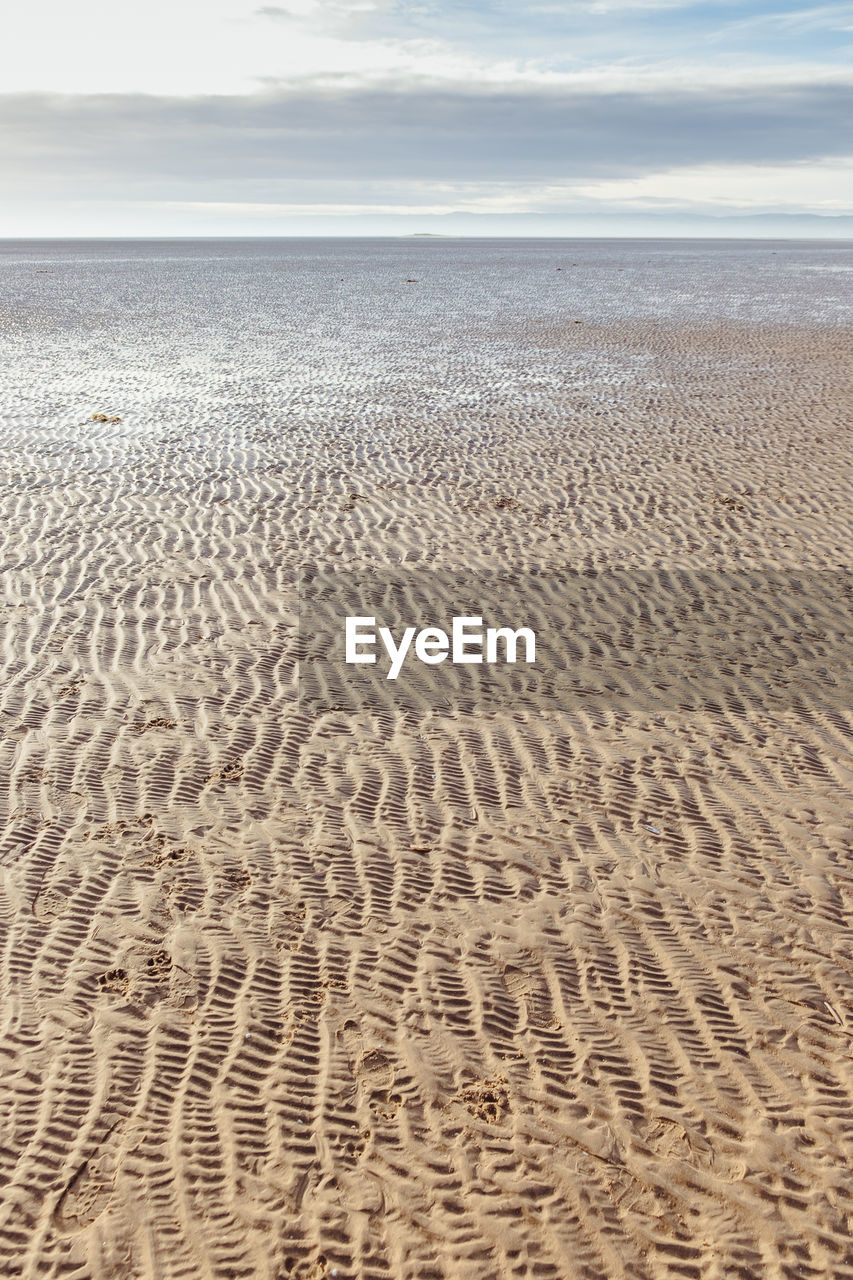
559, 985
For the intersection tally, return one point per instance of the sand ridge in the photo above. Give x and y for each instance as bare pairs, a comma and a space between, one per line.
556, 987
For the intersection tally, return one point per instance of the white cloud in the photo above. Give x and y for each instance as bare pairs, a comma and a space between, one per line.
817, 188
231, 47
824, 187
793, 22
238, 110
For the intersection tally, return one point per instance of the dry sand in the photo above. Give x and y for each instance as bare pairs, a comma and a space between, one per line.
557, 988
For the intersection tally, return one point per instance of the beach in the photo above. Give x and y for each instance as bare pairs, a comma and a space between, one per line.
308, 973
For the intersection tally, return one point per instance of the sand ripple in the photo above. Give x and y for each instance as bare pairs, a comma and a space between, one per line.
553, 985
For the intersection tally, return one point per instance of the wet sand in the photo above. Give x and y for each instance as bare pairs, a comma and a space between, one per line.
557, 987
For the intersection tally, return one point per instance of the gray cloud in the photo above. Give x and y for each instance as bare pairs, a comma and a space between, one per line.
275, 11
260, 148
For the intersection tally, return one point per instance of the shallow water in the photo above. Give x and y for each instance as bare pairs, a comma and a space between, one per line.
214, 338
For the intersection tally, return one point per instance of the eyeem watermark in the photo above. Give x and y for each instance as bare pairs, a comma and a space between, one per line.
609, 645
466, 643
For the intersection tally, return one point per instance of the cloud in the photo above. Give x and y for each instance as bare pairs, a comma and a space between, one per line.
828, 17
642, 6
228, 47
258, 147
825, 187
385, 107
377, 155
323, 15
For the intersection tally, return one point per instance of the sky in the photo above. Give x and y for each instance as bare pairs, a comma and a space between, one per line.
374, 117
